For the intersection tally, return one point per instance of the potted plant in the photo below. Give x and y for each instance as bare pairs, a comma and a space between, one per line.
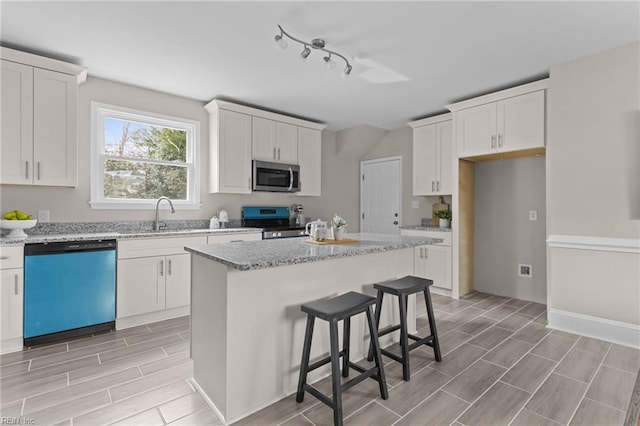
444, 217
339, 226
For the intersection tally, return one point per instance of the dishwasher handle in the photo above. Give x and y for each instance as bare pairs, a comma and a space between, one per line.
68, 247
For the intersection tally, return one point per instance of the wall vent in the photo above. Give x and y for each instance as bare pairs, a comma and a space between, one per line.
525, 270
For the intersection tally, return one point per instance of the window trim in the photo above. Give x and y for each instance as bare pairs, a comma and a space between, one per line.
101, 110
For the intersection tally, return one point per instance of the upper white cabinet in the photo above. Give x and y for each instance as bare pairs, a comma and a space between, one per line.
310, 161
507, 121
39, 120
274, 141
432, 156
229, 151
239, 133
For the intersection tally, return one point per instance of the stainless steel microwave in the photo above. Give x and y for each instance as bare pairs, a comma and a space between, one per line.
275, 177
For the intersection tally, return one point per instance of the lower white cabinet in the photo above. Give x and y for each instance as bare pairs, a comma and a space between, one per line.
154, 275
11, 298
433, 261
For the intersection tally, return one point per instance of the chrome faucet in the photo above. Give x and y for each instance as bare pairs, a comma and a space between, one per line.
157, 224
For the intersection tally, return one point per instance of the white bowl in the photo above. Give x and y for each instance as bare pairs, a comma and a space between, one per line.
17, 227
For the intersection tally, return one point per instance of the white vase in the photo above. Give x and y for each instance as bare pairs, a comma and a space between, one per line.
444, 223
339, 233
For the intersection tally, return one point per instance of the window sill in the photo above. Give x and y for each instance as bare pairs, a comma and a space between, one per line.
143, 205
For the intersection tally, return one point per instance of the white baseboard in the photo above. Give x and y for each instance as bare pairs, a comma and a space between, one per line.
618, 332
136, 320
11, 345
208, 401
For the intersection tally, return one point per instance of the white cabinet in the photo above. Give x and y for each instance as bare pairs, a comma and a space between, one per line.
274, 141
11, 298
239, 133
433, 261
310, 161
229, 151
39, 120
512, 124
153, 275
432, 156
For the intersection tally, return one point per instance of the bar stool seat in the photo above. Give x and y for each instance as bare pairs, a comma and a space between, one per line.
340, 308
402, 288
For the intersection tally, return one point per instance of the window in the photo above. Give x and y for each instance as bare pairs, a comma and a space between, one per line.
138, 157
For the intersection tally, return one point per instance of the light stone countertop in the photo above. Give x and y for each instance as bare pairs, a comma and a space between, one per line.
85, 236
426, 228
249, 255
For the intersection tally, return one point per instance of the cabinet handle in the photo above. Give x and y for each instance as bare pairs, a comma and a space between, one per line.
162, 268
5, 257
26, 170
493, 141
15, 285
274, 154
438, 185
421, 252
500, 139
278, 153
433, 185
249, 180
169, 267
38, 170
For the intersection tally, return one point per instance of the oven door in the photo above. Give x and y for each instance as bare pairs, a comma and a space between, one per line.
275, 177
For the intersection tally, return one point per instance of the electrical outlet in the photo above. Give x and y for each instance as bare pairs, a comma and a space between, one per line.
533, 215
525, 270
415, 204
43, 216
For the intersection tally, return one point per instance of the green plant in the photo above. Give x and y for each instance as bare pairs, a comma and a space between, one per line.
338, 222
444, 214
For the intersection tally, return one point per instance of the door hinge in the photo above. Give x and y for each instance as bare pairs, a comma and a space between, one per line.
363, 215
363, 177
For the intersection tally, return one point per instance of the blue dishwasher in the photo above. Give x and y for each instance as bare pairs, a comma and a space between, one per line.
69, 289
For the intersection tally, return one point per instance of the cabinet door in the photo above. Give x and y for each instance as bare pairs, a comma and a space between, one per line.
11, 294
263, 139
438, 265
16, 143
424, 160
445, 157
521, 122
310, 161
141, 286
230, 157
54, 128
286, 143
178, 280
476, 130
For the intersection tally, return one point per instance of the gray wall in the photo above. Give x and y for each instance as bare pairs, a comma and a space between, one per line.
505, 191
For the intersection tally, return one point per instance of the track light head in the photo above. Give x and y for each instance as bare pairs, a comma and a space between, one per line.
305, 53
347, 70
282, 44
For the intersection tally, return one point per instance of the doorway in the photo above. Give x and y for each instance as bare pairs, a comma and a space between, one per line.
381, 195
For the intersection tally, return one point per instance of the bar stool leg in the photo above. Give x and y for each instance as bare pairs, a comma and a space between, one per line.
335, 373
432, 325
377, 316
304, 365
346, 336
404, 336
382, 382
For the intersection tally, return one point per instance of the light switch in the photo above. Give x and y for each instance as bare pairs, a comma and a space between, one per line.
533, 215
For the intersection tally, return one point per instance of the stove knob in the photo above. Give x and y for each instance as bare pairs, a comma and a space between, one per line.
274, 234
279, 234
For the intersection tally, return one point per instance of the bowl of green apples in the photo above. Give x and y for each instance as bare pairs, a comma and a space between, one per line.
17, 221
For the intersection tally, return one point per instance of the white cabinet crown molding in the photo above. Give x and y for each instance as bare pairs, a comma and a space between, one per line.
430, 120
500, 95
44, 63
243, 109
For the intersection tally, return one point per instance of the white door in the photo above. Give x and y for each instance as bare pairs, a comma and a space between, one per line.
381, 195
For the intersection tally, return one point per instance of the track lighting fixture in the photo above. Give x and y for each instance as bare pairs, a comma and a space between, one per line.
318, 44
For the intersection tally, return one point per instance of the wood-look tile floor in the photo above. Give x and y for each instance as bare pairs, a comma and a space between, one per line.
501, 365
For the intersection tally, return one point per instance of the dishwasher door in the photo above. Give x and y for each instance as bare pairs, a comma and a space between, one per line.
69, 290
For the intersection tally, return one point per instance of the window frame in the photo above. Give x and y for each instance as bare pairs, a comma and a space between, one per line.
100, 111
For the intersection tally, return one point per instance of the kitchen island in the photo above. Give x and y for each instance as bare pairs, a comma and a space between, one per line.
247, 329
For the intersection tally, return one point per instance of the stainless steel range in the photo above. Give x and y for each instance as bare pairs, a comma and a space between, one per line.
274, 219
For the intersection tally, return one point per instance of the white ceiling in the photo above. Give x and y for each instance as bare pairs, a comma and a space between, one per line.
204, 50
